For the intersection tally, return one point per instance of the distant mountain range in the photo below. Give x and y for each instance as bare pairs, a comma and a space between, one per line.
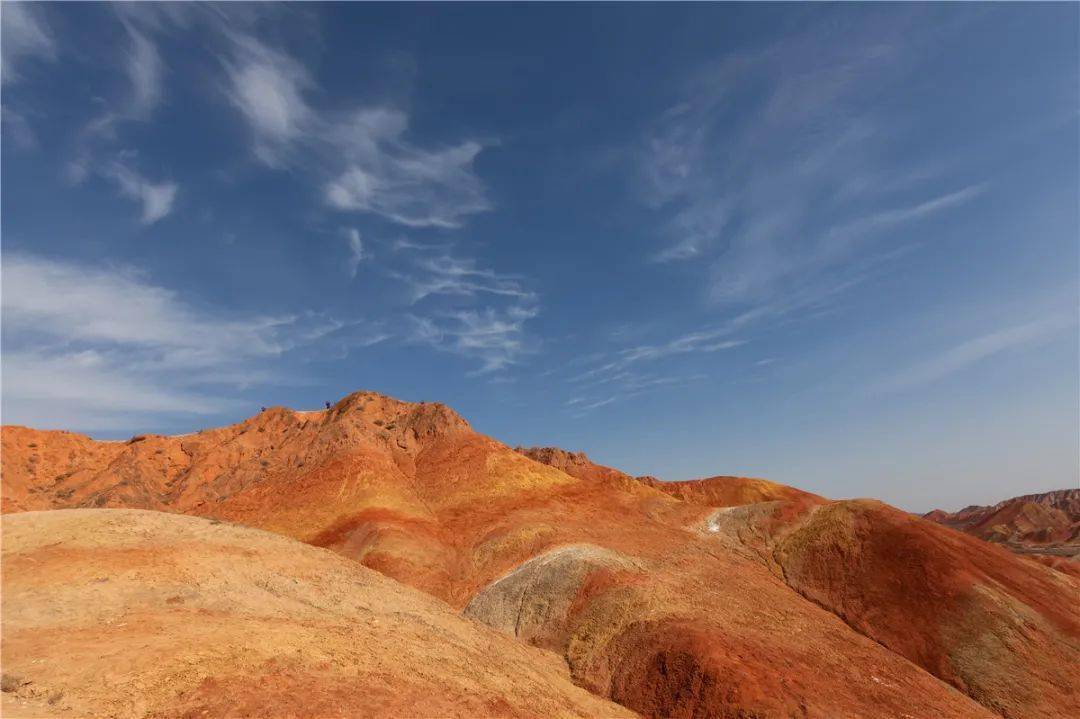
1046, 524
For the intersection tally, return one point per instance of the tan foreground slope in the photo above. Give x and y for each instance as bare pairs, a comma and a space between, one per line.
126, 613
728, 597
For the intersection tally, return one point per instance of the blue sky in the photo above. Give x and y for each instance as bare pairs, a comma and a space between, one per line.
832, 245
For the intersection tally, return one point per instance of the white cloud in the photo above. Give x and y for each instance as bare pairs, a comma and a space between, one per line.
99, 347
356, 250
267, 87
156, 198
91, 390
970, 352
697, 228
362, 159
24, 33
73, 302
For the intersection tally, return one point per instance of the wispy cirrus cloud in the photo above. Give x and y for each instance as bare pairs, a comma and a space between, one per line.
462, 307
972, 351
432, 274
74, 302
495, 337
17, 128
267, 87
621, 369
24, 34
583, 406
786, 200
702, 341
613, 365
625, 385
97, 153
155, 198
363, 159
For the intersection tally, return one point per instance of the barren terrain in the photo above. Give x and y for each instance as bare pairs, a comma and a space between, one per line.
719, 597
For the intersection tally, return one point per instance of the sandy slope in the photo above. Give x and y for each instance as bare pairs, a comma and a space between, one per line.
134, 613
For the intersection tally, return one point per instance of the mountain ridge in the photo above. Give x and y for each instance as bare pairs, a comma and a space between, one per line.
672, 599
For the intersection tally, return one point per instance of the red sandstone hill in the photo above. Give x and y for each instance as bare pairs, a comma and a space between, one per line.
720, 597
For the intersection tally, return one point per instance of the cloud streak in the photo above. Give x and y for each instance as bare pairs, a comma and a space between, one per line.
145, 72
620, 369
971, 352
444, 274
356, 251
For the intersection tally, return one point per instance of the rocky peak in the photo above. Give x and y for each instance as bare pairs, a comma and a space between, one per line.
555, 457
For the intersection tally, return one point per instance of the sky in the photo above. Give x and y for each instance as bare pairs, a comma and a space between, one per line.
833, 245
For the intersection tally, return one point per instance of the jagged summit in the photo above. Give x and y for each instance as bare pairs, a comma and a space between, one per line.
576, 464
425, 416
379, 413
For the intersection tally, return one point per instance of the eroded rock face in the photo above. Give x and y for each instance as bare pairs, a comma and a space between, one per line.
991, 624
536, 601
130, 613
714, 597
